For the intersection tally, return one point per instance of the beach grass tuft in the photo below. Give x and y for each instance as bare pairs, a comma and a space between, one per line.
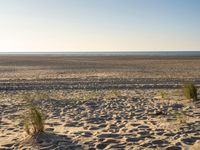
33, 120
190, 91
33, 117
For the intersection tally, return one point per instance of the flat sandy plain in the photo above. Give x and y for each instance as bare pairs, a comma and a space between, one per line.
100, 102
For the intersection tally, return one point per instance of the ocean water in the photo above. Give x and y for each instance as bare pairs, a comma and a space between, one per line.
142, 53
113, 53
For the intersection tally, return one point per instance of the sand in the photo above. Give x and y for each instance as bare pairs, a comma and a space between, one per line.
100, 102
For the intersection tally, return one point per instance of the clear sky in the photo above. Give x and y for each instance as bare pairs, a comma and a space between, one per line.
57, 25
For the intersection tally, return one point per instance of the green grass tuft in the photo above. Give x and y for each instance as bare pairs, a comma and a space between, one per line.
190, 91
163, 94
33, 121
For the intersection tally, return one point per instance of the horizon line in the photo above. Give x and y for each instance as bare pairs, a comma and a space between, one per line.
100, 51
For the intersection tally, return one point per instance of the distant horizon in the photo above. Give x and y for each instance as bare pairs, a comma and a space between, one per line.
74, 51
109, 53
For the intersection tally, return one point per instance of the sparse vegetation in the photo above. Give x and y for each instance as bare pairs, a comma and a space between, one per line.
190, 91
33, 118
163, 94
33, 121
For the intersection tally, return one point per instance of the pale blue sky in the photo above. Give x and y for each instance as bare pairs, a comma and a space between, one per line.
56, 25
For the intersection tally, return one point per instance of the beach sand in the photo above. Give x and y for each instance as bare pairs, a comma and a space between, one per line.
100, 102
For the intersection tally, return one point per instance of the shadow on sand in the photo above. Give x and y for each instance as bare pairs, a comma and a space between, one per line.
46, 141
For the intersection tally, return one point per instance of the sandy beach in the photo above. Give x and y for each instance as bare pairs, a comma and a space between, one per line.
126, 102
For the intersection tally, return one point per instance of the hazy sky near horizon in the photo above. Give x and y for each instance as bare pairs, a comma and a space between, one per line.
57, 25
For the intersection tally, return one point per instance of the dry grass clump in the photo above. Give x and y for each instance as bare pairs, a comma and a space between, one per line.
33, 121
190, 91
32, 118
163, 94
